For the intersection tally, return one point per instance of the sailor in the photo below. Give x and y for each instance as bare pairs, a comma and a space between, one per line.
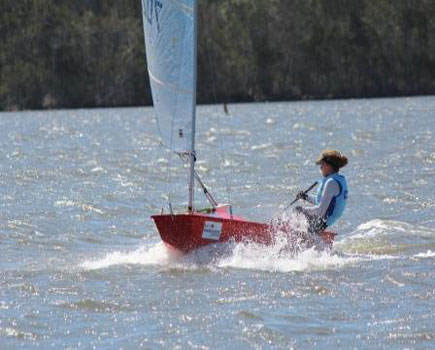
330, 201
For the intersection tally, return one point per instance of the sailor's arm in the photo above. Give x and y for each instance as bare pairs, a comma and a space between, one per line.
311, 199
306, 197
331, 189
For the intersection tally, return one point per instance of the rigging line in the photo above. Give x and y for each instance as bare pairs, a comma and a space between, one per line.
163, 148
168, 180
168, 194
173, 115
207, 194
221, 143
169, 173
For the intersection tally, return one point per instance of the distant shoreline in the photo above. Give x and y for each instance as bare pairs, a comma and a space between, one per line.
221, 104
92, 54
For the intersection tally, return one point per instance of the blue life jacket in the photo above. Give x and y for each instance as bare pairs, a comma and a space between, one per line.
338, 202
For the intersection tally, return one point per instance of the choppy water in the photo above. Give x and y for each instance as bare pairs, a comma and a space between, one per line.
82, 265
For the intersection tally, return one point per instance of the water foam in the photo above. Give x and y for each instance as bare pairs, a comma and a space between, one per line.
257, 257
82, 206
285, 255
428, 254
154, 255
247, 256
384, 237
379, 227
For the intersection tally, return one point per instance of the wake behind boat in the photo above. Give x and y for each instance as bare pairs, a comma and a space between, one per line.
170, 29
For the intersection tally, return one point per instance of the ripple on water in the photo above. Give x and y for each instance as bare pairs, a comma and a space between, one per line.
81, 266
99, 306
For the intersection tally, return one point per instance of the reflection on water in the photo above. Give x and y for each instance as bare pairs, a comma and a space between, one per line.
82, 265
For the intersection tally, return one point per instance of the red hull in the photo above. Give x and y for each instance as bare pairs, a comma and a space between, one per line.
185, 232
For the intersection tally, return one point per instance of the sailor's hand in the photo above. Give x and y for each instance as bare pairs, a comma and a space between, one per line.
298, 209
302, 195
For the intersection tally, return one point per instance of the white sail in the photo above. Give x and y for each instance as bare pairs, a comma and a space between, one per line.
170, 40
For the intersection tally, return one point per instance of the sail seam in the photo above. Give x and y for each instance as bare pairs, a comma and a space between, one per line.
171, 87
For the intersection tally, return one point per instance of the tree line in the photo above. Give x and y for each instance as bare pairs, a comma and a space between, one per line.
90, 53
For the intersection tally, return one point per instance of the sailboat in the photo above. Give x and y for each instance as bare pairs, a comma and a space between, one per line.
170, 28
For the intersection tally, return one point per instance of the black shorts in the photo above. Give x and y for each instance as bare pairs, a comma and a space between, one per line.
316, 225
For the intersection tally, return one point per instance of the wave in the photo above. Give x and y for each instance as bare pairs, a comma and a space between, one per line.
389, 237
154, 255
390, 227
374, 240
249, 256
428, 254
82, 206
272, 259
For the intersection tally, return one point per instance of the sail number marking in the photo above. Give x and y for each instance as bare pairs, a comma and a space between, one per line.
152, 9
212, 230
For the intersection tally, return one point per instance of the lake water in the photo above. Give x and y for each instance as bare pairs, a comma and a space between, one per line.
82, 265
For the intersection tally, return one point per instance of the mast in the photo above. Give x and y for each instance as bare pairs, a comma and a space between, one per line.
192, 156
